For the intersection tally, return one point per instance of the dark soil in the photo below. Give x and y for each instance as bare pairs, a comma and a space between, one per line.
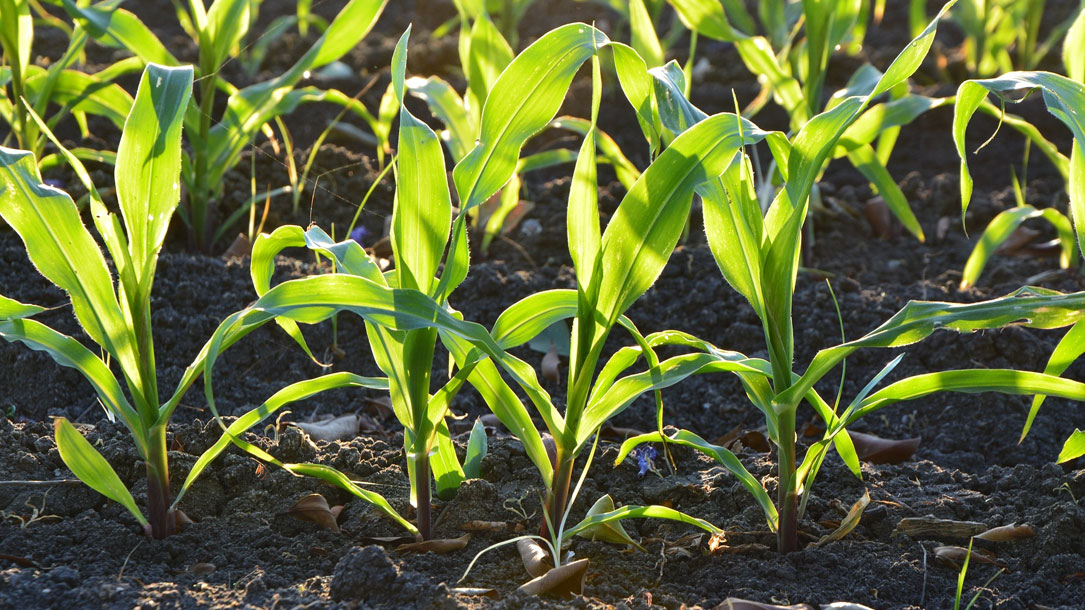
62, 545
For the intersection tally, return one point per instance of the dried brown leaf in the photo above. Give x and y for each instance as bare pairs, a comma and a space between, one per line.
1006, 533
955, 555
880, 218
536, 559
1018, 239
565, 580
485, 526
339, 428
877, 450
314, 508
239, 249
476, 591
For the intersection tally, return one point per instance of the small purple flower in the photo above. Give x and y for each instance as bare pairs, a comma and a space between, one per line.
646, 454
359, 235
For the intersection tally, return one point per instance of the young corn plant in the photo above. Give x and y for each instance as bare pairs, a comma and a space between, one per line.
620, 266
216, 147
1004, 35
118, 320
793, 72
484, 54
758, 256
1064, 97
74, 93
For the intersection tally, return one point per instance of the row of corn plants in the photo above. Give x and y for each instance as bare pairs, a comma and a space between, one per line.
754, 234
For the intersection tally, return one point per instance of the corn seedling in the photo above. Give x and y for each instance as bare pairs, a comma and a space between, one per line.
758, 256
73, 92
792, 72
147, 170
219, 31
484, 54
622, 266
1004, 35
1062, 95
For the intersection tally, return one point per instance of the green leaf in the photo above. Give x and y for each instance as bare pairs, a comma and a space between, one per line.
919, 319
64, 252
615, 398
720, 454
643, 32
647, 224
117, 27
86, 463
489, 54
227, 23
1073, 48
638, 512
448, 107
1063, 97
149, 164
999, 230
522, 101
1069, 349
423, 206
972, 381
608, 532
476, 450
1073, 448
81, 92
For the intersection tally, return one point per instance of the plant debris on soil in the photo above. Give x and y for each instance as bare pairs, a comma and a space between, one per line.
64, 546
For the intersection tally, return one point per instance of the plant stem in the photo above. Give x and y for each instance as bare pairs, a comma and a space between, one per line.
421, 479
558, 494
786, 497
158, 483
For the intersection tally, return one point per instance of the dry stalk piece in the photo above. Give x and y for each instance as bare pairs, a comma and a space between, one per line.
440, 546
930, 527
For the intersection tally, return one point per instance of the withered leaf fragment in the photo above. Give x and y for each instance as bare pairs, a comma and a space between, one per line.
565, 580
930, 527
733, 603
955, 555
1006, 533
439, 546
550, 364
339, 428
877, 450
849, 522
386, 540
536, 559
314, 508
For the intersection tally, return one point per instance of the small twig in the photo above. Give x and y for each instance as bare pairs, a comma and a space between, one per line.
923, 591
40, 483
120, 574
